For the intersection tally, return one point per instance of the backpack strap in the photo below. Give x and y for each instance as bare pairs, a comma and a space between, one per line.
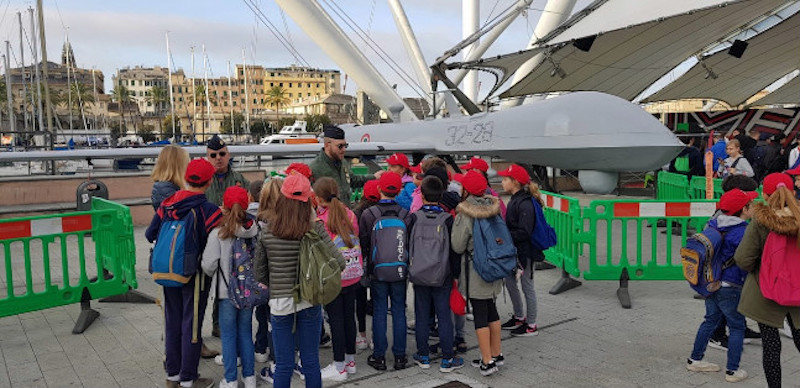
735, 162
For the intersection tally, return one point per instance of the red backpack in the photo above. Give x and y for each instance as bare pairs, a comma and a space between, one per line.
779, 276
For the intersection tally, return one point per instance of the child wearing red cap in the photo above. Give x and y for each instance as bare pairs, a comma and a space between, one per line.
731, 222
183, 325
389, 185
236, 325
778, 218
520, 219
398, 163
481, 294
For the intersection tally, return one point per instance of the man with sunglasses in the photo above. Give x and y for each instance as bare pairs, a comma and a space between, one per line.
224, 176
331, 163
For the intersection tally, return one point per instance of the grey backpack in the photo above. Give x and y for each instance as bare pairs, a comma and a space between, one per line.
429, 251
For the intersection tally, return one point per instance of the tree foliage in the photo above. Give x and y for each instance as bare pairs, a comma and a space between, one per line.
238, 119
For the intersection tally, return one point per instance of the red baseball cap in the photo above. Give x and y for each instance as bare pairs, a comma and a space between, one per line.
199, 171
476, 164
300, 168
517, 172
735, 200
416, 169
390, 183
371, 190
775, 180
398, 159
458, 177
234, 195
793, 172
296, 187
474, 183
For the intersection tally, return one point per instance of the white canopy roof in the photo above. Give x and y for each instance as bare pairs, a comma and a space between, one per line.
769, 56
624, 62
789, 93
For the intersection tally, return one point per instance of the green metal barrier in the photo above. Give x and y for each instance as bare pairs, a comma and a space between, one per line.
52, 261
653, 253
564, 215
671, 186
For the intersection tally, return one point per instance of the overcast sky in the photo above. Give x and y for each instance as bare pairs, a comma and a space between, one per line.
109, 34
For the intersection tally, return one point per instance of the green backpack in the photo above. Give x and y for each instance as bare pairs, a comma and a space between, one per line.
319, 275
682, 163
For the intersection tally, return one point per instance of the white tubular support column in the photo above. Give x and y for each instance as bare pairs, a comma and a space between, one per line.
487, 42
470, 12
555, 13
421, 69
319, 26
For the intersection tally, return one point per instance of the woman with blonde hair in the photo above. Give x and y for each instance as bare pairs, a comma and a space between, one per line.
168, 173
779, 215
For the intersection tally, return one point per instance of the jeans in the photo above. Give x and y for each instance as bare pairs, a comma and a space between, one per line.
306, 336
382, 292
342, 319
439, 299
526, 281
236, 333
263, 338
719, 304
361, 309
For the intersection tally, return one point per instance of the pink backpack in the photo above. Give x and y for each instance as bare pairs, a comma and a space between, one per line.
779, 276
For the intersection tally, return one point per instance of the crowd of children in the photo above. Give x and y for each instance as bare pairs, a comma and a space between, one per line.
413, 225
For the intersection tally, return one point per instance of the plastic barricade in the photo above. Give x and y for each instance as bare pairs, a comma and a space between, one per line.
626, 242
671, 186
697, 188
564, 215
60, 259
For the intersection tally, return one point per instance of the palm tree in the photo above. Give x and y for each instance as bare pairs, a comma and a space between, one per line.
122, 96
276, 96
81, 95
158, 96
199, 98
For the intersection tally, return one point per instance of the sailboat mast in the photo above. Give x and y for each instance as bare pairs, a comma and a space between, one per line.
194, 98
36, 65
45, 75
22, 71
69, 85
230, 98
246, 96
207, 91
12, 121
169, 82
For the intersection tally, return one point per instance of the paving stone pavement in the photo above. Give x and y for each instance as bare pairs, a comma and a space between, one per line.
586, 340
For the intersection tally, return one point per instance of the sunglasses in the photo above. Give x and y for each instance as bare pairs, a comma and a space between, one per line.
343, 146
213, 155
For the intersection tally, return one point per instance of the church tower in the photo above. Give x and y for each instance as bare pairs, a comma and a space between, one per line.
67, 56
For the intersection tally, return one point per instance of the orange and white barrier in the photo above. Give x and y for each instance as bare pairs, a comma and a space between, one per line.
45, 226
663, 209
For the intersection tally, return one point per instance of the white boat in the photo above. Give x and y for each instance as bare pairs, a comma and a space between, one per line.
292, 134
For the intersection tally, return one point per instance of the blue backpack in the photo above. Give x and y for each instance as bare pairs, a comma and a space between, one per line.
543, 235
389, 244
700, 268
175, 257
495, 255
244, 291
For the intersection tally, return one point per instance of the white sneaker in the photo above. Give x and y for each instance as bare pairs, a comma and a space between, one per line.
250, 382
701, 366
735, 376
362, 343
331, 373
262, 357
350, 367
219, 361
225, 384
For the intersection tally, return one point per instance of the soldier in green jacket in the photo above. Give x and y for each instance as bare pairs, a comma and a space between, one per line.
217, 153
331, 163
